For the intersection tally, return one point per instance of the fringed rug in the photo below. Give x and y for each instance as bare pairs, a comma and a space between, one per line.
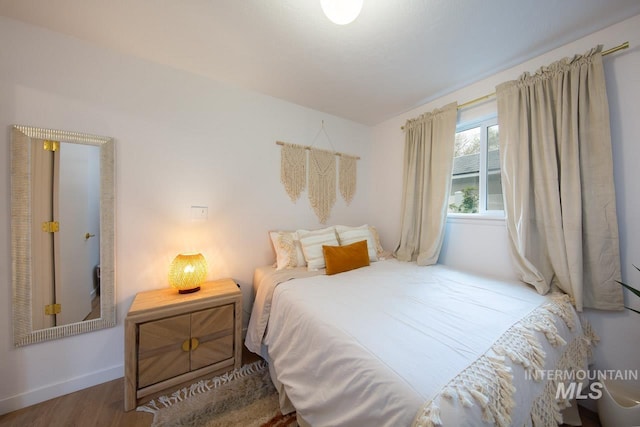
243, 397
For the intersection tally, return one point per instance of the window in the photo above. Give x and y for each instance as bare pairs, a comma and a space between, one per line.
476, 185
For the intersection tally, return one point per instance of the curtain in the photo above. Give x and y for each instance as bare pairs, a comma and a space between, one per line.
557, 178
428, 160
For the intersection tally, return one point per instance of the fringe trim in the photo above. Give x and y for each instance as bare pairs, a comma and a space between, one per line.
347, 177
322, 182
547, 410
202, 386
293, 169
489, 382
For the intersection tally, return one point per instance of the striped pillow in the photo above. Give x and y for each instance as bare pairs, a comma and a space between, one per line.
349, 235
312, 242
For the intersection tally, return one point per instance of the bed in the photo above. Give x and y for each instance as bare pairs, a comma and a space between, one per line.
396, 344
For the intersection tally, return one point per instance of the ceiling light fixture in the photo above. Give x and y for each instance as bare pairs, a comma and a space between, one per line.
341, 12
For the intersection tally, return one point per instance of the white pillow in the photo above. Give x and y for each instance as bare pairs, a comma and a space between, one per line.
348, 235
376, 238
312, 241
288, 250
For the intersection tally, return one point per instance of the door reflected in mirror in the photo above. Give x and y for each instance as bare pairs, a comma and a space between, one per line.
62, 233
65, 181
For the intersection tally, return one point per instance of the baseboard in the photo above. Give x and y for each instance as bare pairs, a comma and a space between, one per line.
42, 394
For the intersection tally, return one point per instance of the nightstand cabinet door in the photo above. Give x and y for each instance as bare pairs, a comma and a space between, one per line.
213, 329
160, 349
172, 338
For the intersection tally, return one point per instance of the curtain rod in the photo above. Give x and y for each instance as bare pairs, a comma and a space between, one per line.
307, 147
622, 46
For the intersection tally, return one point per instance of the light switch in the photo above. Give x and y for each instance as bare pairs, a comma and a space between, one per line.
199, 213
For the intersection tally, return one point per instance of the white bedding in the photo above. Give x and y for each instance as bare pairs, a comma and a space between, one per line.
389, 343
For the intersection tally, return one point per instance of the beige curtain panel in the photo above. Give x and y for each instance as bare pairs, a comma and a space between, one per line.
557, 178
428, 160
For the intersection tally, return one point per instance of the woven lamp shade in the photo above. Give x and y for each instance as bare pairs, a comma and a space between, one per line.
187, 272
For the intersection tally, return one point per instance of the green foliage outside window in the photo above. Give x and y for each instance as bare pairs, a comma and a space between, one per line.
469, 202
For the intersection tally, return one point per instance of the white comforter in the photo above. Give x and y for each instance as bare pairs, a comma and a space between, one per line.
378, 345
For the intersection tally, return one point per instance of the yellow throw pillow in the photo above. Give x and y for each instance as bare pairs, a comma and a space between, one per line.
344, 258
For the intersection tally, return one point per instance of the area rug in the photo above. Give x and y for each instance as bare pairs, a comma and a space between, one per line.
243, 397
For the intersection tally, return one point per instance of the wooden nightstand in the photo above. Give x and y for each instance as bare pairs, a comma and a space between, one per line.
170, 338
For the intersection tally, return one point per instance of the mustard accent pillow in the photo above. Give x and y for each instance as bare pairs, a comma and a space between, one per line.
344, 258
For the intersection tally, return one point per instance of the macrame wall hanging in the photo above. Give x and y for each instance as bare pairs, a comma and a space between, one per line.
293, 169
347, 177
322, 182
320, 174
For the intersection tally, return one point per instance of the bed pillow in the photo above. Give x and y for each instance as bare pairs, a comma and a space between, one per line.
286, 245
376, 239
312, 242
348, 235
344, 258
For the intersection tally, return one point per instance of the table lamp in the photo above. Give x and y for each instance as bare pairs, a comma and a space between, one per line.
187, 272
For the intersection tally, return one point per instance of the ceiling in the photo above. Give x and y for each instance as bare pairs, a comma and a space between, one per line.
397, 55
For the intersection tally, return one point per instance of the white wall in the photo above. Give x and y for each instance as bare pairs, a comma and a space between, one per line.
181, 140
482, 246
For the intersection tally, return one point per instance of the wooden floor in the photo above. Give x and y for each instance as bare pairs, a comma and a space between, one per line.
98, 406
102, 405
95, 309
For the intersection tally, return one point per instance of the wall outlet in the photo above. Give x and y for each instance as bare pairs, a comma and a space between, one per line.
199, 213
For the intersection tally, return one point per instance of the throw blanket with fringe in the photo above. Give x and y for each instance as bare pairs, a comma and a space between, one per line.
396, 344
489, 381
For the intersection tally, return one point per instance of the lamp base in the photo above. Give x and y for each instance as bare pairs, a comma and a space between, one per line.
189, 291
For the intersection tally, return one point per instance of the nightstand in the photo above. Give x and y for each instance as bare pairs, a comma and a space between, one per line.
171, 338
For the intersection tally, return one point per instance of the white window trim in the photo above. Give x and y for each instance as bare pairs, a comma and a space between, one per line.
483, 214
490, 217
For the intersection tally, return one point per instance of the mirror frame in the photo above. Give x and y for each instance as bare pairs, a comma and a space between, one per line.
23, 332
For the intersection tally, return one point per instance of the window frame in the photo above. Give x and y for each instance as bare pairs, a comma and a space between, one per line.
484, 124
